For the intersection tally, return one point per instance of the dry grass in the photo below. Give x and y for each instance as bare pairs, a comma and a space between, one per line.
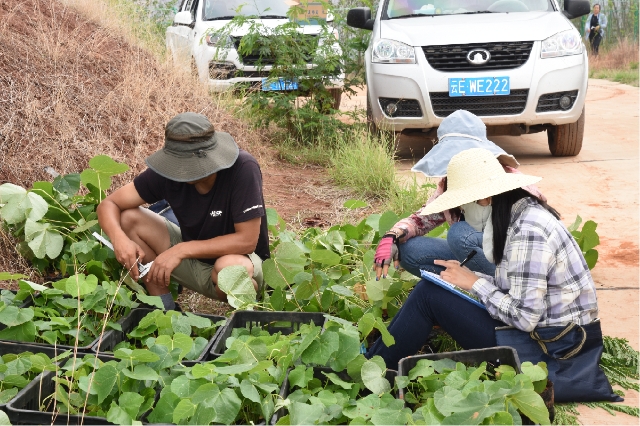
72, 88
618, 62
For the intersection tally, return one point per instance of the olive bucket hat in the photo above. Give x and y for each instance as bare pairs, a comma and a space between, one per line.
192, 149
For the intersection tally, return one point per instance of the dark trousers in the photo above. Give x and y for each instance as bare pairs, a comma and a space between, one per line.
429, 305
595, 43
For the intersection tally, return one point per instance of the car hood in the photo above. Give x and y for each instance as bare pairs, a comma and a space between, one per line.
267, 23
481, 28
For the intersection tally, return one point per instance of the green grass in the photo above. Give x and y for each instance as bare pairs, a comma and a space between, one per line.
625, 76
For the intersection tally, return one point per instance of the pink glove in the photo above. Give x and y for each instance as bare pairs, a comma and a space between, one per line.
383, 252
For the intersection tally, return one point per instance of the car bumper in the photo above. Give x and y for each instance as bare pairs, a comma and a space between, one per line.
424, 85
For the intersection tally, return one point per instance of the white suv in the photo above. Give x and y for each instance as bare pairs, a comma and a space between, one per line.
518, 64
194, 40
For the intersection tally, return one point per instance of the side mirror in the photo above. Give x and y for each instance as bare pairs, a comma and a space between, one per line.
184, 18
360, 17
576, 8
330, 17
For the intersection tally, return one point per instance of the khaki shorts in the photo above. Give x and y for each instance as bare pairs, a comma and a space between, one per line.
196, 275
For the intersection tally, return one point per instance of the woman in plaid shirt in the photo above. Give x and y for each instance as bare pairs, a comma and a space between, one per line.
540, 278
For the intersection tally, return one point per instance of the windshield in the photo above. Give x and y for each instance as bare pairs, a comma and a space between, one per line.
410, 8
266, 9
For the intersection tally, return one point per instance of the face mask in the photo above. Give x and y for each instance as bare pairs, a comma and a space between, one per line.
476, 215
487, 241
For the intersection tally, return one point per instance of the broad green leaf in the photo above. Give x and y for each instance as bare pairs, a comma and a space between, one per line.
100, 181
249, 391
204, 392
300, 376
431, 414
131, 403
531, 405
83, 246
348, 349
354, 368
365, 407
354, 204
249, 352
365, 324
423, 368
6, 396
574, 226
534, 372
392, 416
500, 418
141, 372
85, 227
591, 257
68, 184
155, 301
163, 411
373, 378
446, 398
12, 315
236, 283
167, 358
197, 321
25, 332
321, 349
235, 369
387, 338
335, 240
42, 240
377, 289
387, 220
20, 204
8, 276
227, 406
333, 378
80, 284
304, 414
104, 379
184, 387
288, 260
180, 324
118, 415
107, 165
473, 409
4, 419
325, 257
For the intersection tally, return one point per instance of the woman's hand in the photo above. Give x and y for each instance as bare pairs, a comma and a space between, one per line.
456, 274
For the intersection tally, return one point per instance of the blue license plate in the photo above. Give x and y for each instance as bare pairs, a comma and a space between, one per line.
483, 86
280, 84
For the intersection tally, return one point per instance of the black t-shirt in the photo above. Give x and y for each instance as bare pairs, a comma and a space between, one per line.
236, 197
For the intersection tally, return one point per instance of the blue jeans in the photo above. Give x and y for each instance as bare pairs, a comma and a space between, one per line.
429, 305
420, 252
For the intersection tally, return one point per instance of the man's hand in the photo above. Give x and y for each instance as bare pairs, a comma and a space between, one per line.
456, 274
128, 253
160, 273
386, 252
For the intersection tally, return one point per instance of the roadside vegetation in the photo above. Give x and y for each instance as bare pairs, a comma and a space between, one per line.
616, 62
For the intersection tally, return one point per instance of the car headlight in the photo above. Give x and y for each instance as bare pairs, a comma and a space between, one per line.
393, 52
222, 41
562, 44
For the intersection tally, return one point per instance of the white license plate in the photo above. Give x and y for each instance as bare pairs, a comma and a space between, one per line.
479, 86
280, 84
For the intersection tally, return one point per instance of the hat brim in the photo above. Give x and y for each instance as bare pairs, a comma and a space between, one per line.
456, 197
189, 169
435, 162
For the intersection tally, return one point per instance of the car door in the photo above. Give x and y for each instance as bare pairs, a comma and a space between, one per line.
180, 35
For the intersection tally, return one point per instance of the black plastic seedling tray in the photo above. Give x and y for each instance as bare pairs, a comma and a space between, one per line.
273, 322
24, 408
132, 320
317, 374
499, 355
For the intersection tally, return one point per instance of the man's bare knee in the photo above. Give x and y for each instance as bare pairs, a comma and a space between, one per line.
130, 219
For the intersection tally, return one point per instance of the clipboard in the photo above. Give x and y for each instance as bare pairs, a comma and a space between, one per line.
434, 278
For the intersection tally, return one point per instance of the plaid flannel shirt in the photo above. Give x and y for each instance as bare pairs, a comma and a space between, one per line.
543, 278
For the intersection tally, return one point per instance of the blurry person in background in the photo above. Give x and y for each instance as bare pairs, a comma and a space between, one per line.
594, 28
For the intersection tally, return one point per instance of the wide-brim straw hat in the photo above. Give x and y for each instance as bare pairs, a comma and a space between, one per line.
460, 131
473, 175
193, 149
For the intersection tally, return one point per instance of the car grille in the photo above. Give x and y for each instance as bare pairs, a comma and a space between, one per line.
226, 71
406, 107
255, 58
511, 104
551, 101
453, 57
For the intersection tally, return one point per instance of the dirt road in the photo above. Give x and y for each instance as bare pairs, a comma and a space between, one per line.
600, 184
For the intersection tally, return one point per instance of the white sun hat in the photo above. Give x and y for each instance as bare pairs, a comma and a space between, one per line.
459, 131
473, 175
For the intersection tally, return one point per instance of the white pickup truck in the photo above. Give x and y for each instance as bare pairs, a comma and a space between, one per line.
518, 64
192, 40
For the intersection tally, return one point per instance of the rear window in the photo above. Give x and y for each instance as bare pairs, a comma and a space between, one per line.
416, 8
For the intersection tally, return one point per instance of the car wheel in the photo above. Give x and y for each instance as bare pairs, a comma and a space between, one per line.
565, 140
336, 96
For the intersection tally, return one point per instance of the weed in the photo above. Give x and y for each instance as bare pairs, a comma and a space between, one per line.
616, 62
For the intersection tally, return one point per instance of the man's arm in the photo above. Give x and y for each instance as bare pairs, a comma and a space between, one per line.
243, 241
109, 210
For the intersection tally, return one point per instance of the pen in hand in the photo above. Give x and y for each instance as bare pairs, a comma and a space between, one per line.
468, 258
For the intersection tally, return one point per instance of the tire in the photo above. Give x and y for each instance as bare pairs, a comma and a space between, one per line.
336, 95
565, 140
